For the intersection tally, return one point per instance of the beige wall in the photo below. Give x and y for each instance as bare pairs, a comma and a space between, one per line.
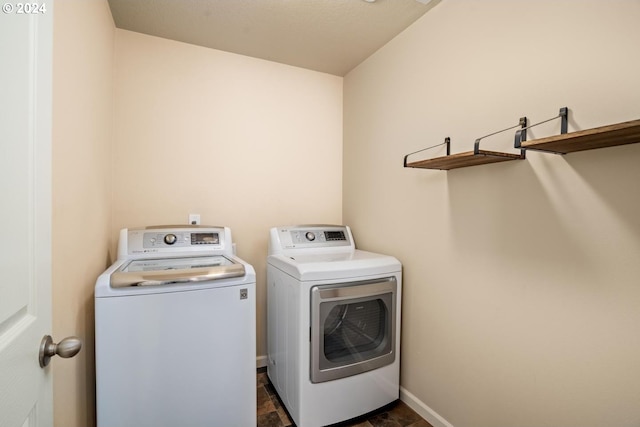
82, 132
245, 143
521, 303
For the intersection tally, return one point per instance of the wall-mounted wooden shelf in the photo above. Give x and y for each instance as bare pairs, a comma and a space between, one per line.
463, 160
590, 139
601, 137
468, 158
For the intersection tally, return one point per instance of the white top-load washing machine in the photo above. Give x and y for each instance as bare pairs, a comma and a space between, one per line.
333, 324
175, 331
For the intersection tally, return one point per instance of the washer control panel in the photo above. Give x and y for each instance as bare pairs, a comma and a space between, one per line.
179, 239
174, 241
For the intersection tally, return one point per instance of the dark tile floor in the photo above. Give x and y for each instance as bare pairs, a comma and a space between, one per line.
271, 412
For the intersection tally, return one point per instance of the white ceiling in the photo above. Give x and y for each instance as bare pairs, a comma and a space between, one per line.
330, 36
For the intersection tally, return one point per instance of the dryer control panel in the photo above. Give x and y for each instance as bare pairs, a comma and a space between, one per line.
315, 236
309, 237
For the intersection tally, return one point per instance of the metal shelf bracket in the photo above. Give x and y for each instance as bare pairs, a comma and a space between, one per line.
447, 142
523, 125
521, 134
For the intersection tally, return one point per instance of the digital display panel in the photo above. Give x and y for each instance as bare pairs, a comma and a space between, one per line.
334, 235
205, 238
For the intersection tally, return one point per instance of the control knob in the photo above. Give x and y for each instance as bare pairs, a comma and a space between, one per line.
170, 239
310, 236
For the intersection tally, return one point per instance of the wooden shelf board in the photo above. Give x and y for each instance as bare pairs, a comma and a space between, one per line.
461, 160
601, 137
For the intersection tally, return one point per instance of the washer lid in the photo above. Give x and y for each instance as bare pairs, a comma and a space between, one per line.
166, 271
330, 266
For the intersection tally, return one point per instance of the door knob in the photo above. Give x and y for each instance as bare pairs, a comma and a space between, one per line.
66, 348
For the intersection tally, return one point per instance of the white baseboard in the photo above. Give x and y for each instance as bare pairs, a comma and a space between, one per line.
412, 401
261, 361
423, 410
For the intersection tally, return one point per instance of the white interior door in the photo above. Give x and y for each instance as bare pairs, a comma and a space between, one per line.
26, 32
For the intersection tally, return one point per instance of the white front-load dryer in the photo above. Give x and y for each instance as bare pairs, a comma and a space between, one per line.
333, 324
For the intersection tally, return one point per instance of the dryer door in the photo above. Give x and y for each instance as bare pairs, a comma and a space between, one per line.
352, 328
